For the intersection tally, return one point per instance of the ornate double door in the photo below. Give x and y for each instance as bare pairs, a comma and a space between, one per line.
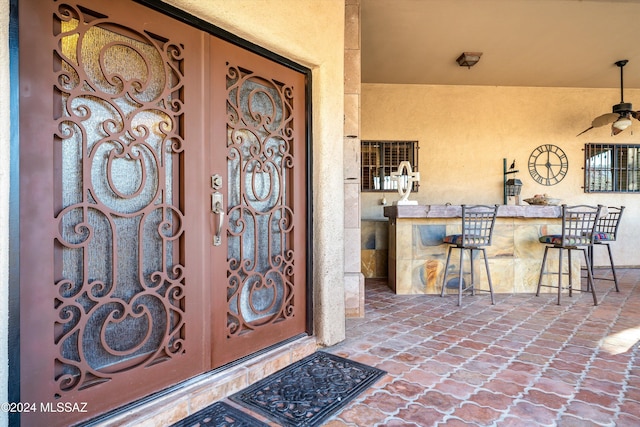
162, 204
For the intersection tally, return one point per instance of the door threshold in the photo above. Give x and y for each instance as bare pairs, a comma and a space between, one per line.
197, 393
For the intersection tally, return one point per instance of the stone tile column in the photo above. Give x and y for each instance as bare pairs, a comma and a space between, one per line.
353, 277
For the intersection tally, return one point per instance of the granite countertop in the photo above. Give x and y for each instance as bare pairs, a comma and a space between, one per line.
452, 211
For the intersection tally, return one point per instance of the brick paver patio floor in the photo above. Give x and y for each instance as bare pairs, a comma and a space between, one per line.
523, 362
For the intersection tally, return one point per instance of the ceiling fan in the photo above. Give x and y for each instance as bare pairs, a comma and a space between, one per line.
620, 118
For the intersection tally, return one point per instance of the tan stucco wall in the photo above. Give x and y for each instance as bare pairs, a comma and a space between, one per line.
312, 34
4, 202
464, 132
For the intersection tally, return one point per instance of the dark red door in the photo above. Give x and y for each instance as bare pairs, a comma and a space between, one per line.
257, 141
112, 305
162, 223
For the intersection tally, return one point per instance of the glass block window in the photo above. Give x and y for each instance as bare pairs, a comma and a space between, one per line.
380, 158
612, 168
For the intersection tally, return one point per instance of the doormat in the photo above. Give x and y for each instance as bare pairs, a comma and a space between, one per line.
309, 391
219, 414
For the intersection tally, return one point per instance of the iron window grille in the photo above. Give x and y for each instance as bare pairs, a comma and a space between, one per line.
613, 168
380, 158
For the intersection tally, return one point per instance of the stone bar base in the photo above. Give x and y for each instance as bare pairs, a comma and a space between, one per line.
417, 256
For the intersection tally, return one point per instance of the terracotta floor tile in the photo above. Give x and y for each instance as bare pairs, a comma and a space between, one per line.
565, 365
535, 359
529, 368
492, 359
627, 420
409, 358
395, 422
504, 387
462, 351
457, 389
591, 412
443, 402
555, 386
478, 365
474, 378
540, 350
605, 400
419, 415
471, 412
568, 420
524, 362
549, 400
633, 393
393, 367
501, 351
451, 359
362, 415
530, 413
472, 344
511, 345
425, 379
366, 358
404, 389
601, 386
456, 422
631, 407
490, 399
610, 365
521, 378
386, 402
571, 378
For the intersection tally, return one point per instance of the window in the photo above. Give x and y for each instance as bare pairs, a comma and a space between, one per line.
612, 168
380, 158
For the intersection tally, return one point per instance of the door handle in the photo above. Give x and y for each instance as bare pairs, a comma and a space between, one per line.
217, 207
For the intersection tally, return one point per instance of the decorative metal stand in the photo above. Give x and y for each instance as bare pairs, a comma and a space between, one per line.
511, 186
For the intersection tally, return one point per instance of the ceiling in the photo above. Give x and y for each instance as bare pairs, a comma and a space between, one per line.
537, 43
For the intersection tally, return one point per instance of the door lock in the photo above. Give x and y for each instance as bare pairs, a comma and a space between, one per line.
216, 181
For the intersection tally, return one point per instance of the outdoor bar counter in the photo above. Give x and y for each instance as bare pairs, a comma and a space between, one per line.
417, 255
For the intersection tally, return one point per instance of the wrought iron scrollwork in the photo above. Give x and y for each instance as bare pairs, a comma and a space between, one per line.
260, 160
120, 284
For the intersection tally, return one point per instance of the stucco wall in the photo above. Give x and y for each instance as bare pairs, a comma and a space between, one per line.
312, 34
464, 132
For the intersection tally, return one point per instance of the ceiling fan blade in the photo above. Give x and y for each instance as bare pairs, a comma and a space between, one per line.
602, 120
586, 130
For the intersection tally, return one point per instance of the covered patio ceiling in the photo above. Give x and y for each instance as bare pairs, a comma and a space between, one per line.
535, 43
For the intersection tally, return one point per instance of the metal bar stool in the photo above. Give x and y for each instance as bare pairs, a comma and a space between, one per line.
578, 228
606, 232
477, 231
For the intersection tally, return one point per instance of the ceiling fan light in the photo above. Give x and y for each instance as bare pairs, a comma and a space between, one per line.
622, 123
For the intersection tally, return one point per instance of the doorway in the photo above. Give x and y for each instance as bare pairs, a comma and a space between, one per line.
163, 178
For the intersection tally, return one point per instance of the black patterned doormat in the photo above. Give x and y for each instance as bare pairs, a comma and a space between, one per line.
219, 414
309, 391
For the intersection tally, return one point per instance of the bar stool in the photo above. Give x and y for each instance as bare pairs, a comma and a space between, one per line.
606, 232
578, 229
477, 231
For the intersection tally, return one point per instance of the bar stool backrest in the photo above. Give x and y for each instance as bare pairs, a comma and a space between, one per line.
608, 224
579, 224
477, 224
